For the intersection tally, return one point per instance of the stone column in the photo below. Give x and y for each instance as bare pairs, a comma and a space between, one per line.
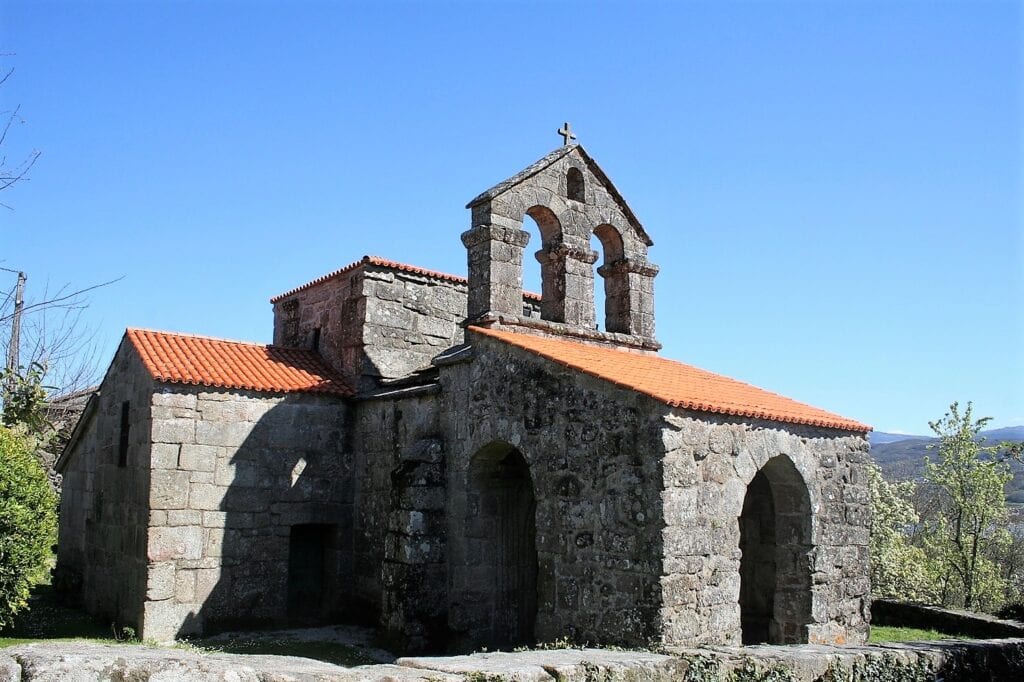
495, 255
568, 294
552, 275
629, 297
641, 288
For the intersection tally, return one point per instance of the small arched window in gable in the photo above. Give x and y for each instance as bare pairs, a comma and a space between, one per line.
574, 185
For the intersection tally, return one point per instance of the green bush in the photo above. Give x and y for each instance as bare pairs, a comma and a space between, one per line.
28, 523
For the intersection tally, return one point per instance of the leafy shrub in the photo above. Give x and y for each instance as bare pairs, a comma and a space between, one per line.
28, 522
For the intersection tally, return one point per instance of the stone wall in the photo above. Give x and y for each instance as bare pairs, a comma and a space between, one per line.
103, 513
335, 308
398, 543
242, 481
969, 623
709, 463
377, 322
592, 452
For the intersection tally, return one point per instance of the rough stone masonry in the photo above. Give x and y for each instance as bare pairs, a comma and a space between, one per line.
465, 464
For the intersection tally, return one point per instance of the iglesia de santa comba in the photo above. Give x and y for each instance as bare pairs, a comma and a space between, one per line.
466, 465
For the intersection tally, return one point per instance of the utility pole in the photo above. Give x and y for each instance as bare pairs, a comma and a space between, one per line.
19, 303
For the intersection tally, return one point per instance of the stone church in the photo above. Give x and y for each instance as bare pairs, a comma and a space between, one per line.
465, 464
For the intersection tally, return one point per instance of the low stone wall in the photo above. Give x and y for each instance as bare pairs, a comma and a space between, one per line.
948, 660
903, 614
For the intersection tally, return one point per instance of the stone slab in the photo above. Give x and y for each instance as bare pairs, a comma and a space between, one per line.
85, 662
10, 670
564, 665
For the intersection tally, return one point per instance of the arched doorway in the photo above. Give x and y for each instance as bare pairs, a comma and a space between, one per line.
775, 540
501, 508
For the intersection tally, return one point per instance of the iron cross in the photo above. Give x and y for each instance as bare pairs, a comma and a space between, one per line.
566, 133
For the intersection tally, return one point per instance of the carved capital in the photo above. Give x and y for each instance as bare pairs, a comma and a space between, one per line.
561, 252
622, 266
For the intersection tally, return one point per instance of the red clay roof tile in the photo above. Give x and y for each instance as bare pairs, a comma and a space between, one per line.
204, 361
674, 383
384, 263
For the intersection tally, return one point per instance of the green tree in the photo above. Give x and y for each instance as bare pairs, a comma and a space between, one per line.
966, 529
898, 568
28, 521
24, 398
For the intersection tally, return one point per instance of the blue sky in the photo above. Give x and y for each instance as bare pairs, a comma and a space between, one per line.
834, 189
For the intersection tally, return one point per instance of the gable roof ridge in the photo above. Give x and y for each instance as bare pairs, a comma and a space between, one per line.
164, 332
321, 279
552, 157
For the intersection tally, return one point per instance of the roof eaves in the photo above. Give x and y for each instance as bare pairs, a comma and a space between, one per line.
840, 423
616, 195
76, 434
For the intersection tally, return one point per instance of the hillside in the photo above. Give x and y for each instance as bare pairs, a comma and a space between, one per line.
902, 456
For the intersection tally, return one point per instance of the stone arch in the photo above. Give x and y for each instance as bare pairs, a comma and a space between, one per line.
575, 188
616, 279
551, 257
775, 539
501, 518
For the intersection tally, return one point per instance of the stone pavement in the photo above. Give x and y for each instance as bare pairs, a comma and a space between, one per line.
948, 660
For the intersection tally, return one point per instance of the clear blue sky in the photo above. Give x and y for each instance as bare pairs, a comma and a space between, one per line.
834, 189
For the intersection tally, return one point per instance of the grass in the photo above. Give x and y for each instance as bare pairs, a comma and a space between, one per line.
881, 634
46, 620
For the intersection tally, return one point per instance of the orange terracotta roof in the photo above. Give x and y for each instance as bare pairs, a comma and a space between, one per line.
674, 383
384, 263
204, 361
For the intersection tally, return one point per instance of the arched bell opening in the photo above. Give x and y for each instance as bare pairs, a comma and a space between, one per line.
501, 514
775, 541
614, 298
550, 269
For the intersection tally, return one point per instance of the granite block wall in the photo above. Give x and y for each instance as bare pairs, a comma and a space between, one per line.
104, 512
250, 509
817, 480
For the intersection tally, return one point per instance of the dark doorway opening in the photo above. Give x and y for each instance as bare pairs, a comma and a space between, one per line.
502, 507
775, 541
308, 551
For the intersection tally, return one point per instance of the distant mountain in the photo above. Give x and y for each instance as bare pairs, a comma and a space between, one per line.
1005, 433
902, 456
881, 438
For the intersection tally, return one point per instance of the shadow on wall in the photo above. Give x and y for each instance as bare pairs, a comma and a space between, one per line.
502, 521
277, 521
775, 541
